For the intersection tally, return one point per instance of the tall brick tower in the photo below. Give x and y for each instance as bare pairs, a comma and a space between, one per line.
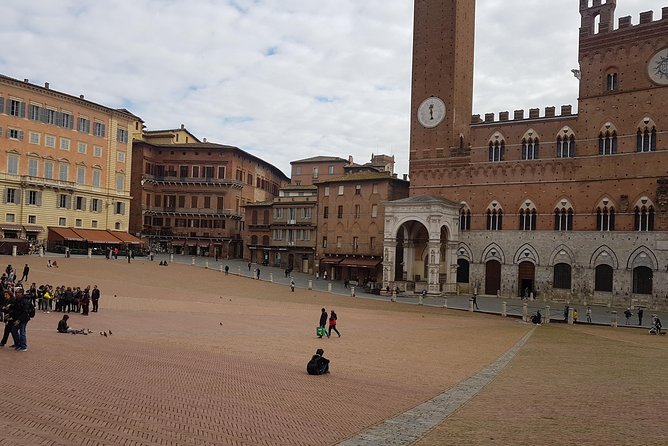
442, 89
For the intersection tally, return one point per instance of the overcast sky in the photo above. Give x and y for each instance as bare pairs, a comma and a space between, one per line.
285, 79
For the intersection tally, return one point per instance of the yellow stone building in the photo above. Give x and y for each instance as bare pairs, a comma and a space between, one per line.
64, 161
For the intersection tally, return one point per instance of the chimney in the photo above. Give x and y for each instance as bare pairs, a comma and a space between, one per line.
46, 85
405, 177
183, 126
204, 139
350, 159
81, 96
26, 80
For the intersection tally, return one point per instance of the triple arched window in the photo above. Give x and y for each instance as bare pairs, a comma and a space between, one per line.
530, 149
528, 217
646, 136
644, 218
497, 150
607, 142
494, 217
465, 219
605, 218
566, 146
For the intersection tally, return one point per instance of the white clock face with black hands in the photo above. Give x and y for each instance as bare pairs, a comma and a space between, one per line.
431, 112
658, 67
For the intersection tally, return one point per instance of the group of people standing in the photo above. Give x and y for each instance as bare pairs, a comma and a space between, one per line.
18, 304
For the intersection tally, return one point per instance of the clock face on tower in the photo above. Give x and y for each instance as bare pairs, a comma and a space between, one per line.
658, 67
431, 112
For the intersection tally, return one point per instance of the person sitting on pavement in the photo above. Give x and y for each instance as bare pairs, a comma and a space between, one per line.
63, 327
318, 365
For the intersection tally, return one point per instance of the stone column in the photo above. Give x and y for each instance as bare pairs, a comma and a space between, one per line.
434, 266
389, 256
409, 260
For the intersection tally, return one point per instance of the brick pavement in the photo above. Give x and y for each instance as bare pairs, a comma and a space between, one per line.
171, 374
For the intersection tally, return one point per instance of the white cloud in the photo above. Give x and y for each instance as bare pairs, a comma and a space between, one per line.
285, 79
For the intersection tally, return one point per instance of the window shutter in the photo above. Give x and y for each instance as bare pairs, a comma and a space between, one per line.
20, 135
59, 119
17, 197
42, 115
83, 204
68, 202
2, 105
71, 122
4, 195
39, 198
122, 208
0, 131
9, 105
22, 110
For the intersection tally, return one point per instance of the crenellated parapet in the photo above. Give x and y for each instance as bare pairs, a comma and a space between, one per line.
598, 28
520, 115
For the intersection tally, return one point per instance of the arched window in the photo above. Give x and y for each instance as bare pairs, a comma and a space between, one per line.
254, 217
497, 150
254, 240
462, 271
566, 146
265, 217
494, 219
465, 219
642, 280
530, 148
605, 219
265, 240
563, 219
611, 84
527, 219
562, 276
644, 218
603, 278
607, 143
646, 136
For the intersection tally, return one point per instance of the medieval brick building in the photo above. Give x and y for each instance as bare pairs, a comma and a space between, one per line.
573, 206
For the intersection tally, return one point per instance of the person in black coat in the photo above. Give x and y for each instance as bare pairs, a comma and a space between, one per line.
323, 321
318, 364
21, 313
95, 296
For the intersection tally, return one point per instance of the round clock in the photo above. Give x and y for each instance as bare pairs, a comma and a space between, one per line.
431, 112
658, 67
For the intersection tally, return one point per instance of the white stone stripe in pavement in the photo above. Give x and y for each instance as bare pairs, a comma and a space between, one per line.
415, 423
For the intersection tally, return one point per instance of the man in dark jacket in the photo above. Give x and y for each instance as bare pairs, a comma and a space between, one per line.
318, 364
95, 296
323, 322
7, 302
21, 312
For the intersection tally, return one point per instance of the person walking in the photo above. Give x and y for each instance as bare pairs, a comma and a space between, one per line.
292, 285
475, 299
628, 314
589, 314
322, 323
249, 266
257, 273
332, 324
640, 314
26, 271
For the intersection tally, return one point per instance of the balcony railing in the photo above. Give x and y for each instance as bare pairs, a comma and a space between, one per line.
186, 181
171, 211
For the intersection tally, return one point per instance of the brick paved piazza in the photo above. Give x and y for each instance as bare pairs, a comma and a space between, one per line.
171, 374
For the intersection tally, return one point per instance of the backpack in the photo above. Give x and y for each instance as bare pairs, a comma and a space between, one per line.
31, 311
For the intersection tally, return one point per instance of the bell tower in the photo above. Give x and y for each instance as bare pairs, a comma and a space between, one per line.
442, 83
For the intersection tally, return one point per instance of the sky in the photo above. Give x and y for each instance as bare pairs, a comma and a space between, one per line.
286, 79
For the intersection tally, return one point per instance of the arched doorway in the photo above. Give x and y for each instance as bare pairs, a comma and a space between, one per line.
291, 261
492, 277
526, 278
603, 278
463, 271
642, 280
412, 255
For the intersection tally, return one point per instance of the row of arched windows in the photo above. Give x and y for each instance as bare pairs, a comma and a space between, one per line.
646, 141
562, 277
563, 219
